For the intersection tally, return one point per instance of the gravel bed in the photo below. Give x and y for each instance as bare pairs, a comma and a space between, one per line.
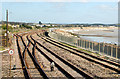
18, 72
6, 66
45, 64
31, 67
92, 68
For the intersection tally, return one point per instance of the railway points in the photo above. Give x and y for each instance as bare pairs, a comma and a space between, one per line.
35, 52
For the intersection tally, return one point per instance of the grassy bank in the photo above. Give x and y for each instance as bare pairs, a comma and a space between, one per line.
2, 48
83, 50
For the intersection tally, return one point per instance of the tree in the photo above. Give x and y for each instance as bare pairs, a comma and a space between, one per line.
26, 26
4, 27
40, 22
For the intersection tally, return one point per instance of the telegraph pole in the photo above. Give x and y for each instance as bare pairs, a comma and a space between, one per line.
7, 28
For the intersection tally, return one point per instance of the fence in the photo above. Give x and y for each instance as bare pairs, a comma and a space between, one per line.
101, 48
3, 41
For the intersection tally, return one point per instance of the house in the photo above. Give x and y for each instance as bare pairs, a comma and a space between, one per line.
15, 26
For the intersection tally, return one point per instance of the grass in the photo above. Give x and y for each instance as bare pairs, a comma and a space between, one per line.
83, 50
106, 57
2, 48
87, 51
68, 45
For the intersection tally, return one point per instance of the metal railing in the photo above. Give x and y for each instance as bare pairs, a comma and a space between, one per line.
101, 48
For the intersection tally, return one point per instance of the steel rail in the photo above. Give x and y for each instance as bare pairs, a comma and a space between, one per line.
101, 59
88, 58
80, 71
35, 62
24, 67
51, 60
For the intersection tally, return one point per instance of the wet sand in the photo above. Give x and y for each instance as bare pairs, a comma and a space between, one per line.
97, 34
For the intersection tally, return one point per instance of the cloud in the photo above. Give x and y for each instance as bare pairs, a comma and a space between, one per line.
104, 6
84, 0
108, 7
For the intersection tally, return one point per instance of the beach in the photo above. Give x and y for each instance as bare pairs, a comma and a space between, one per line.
97, 34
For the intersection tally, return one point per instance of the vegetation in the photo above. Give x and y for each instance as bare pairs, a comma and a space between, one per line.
2, 48
9, 27
40, 22
49, 26
83, 50
26, 26
38, 27
68, 45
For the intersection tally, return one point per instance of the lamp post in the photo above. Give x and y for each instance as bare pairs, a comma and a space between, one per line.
5, 38
7, 28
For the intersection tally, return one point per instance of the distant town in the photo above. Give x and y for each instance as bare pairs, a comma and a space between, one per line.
40, 24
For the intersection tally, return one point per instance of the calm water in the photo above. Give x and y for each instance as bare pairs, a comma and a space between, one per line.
106, 36
101, 39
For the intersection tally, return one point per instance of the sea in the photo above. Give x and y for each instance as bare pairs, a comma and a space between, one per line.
107, 36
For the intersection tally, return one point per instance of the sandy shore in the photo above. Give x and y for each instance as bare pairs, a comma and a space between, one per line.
97, 34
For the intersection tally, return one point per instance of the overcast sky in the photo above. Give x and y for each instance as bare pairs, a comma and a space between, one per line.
62, 12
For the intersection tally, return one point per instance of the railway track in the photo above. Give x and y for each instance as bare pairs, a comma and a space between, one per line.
32, 56
69, 74
98, 58
106, 63
24, 67
69, 69
72, 66
103, 62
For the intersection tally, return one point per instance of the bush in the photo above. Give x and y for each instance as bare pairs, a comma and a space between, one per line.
38, 27
26, 26
9, 27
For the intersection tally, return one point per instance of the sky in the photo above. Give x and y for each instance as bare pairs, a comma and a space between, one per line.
61, 12
60, 0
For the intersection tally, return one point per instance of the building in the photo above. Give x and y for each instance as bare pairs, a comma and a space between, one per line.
15, 26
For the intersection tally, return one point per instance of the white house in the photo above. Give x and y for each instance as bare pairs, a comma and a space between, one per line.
15, 26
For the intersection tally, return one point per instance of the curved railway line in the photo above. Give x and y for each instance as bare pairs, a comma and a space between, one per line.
24, 67
66, 67
98, 58
32, 56
73, 67
105, 63
26, 71
62, 66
